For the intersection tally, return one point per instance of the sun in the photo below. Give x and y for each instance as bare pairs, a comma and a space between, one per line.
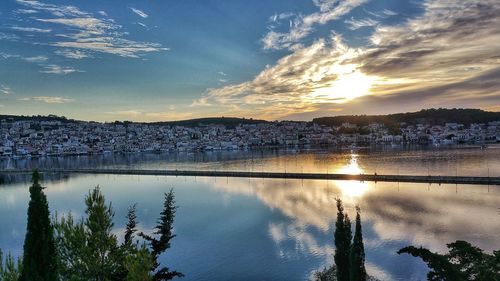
346, 87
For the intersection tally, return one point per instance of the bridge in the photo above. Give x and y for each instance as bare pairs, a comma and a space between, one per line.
275, 175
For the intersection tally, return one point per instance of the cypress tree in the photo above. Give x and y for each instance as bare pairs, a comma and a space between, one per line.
343, 236
357, 259
39, 260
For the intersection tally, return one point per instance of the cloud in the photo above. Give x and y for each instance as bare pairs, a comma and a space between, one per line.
140, 115
277, 17
60, 70
385, 13
4, 89
37, 59
9, 37
143, 25
48, 99
59, 11
221, 73
30, 29
140, 13
294, 84
84, 32
356, 24
302, 26
127, 113
446, 56
72, 54
449, 42
26, 11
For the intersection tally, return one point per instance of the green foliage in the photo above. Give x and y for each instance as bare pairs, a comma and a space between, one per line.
463, 262
88, 249
72, 248
160, 240
39, 259
343, 237
139, 264
357, 271
327, 274
10, 270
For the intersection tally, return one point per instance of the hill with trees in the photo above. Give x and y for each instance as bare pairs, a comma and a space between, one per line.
430, 116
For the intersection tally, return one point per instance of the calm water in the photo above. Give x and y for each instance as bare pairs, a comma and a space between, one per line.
254, 229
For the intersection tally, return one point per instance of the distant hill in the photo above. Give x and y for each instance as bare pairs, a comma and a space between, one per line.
226, 121
62, 119
430, 116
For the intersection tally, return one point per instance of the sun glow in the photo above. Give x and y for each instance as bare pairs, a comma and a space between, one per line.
352, 188
346, 87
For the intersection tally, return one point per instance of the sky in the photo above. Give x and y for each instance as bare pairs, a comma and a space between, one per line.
274, 59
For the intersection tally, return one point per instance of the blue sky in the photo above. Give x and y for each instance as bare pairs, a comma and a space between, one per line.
170, 60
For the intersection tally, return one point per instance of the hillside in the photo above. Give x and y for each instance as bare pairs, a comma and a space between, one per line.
430, 116
226, 121
230, 122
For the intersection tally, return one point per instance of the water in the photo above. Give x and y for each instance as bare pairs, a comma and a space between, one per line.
255, 229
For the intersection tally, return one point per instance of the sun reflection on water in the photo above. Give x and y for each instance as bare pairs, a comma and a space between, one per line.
352, 189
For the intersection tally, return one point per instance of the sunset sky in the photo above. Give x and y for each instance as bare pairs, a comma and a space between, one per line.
276, 59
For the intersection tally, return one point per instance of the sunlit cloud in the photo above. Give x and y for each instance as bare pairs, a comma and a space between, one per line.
48, 99
447, 56
319, 73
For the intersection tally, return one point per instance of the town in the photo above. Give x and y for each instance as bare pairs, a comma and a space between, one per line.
38, 138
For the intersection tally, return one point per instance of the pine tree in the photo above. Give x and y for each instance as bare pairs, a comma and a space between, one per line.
88, 249
101, 242
8, 270
343, 237
131, 225
138, 265
39, 259
160, 241
357, 257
